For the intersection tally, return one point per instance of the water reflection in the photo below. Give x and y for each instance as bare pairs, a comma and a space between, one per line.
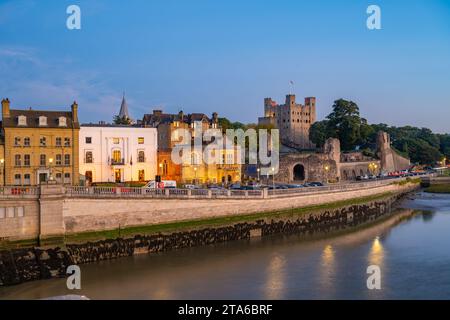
275, 284
278, 267
327, 269
376, 254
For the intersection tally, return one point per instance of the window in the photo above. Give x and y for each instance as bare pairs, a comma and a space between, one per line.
17, 179
194, 159
165, 168
58, 177
141, 140
141, 156
42, 121
62, 122
66, 178
21, 120
88, 158
66, 142
17, 160
27, 179
88, 140
17, 141
116, 140
26, 142
58, 141
67, 159
141, 175
117, 156
58, 160
26, 160
43, 160
43, 141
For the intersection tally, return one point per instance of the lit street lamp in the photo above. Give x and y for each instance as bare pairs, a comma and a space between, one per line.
50, 162
258, 170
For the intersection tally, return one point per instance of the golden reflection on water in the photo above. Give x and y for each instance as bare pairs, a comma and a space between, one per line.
376, 254
276, 277
327, 268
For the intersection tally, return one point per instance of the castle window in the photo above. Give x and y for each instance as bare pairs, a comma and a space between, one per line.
21, 120
88, 140
26, 179
26, 142
16, 141
141, 140
116, 140
58, 160
42, 121
58, 177
58, 141
62, 121
66, 142
43, 141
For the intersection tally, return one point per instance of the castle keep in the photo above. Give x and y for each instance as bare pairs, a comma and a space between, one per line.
292, 119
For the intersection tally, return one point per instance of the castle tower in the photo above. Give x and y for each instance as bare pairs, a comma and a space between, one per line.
123, 113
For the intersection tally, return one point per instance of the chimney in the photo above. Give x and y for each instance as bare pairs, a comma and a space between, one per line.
74, 108
157, 112
5, 108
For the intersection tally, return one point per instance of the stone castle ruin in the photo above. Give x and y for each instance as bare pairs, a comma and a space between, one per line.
299, 164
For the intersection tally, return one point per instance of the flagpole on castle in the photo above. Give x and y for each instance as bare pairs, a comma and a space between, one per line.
291, 86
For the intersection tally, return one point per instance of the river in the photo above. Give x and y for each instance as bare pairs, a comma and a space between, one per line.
411, 248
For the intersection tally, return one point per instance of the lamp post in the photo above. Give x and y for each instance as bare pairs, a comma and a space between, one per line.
195, 170
50, 162
273, 177
327, 169
258, 170
2, 162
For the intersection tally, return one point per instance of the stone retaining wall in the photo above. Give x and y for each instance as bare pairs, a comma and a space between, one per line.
22, 265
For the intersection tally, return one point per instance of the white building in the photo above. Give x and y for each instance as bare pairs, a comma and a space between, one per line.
115, 153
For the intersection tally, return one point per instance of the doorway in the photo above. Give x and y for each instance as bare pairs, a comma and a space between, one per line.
299, 172
117, 175
88, 176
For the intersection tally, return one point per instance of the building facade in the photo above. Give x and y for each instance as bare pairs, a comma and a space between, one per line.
39, 145
117, 153
195, 171
292, 119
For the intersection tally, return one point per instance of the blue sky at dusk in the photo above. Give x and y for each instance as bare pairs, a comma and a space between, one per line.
227, 56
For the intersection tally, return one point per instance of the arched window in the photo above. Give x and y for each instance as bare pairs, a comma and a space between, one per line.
195, 158
89, 157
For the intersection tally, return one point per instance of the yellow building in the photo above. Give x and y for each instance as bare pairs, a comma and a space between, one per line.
39, 146
196, 170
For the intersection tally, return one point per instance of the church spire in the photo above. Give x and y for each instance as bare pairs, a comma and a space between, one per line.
124, 108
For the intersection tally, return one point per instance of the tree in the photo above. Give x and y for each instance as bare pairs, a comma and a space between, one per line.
318, 133
122, 120
346, 124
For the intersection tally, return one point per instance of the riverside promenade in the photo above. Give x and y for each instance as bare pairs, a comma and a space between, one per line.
52, 211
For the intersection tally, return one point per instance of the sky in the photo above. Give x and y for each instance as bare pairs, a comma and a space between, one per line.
227, 56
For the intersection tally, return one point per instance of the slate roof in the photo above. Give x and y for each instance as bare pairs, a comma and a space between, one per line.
33, 119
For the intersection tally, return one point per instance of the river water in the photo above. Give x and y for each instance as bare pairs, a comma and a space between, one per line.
412, 249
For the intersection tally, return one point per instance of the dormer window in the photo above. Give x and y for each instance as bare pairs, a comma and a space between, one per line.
42, 121
22, 120
62, 121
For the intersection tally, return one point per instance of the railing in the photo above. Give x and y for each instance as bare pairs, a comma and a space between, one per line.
19, 191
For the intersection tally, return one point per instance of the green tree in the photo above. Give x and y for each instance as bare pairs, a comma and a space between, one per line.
318, 133
122, 120
346, 124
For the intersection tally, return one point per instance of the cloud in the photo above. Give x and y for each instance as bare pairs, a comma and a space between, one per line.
34, 82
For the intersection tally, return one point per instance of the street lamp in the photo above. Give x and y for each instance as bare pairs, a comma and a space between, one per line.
258, 170
195, 170
50, 161
2, 162
327, 168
